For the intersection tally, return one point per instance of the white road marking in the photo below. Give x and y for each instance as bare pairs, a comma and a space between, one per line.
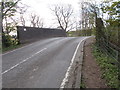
26, 58
69, 68
23, 61
23, 47
31, 77
18, 49
35, 69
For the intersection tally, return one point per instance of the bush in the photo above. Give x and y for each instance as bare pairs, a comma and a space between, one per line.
8, 41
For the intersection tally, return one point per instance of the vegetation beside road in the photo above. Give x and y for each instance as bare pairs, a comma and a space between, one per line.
108, 66
78, 33
9, 43
10, 48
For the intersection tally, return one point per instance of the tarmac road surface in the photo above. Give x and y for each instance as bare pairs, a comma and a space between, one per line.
42, 64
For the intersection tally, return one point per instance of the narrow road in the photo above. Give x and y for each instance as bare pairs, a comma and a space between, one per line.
42, 64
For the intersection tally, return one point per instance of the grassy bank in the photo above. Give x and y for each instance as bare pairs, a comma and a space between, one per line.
108, 67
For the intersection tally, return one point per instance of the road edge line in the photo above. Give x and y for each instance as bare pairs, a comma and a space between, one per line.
65, 80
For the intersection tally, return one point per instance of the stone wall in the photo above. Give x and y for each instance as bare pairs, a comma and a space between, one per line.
31, 34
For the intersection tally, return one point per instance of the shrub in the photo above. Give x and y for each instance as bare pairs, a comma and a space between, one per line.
8, 41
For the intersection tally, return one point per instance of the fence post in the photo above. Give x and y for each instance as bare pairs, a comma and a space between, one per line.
99, 27
119, 54
119, 35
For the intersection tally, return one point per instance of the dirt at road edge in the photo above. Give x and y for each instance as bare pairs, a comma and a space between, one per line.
91, 73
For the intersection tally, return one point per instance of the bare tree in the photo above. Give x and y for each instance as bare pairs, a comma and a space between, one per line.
90, 12
36, 21
63, 15
22, 8
39, 22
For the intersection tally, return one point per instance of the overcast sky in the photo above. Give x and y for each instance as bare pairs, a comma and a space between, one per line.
42, 8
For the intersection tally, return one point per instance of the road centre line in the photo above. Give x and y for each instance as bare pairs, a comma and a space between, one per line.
28, 58
23, 61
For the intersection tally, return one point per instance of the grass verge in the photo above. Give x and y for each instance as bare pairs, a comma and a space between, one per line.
108, 67
10, 48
